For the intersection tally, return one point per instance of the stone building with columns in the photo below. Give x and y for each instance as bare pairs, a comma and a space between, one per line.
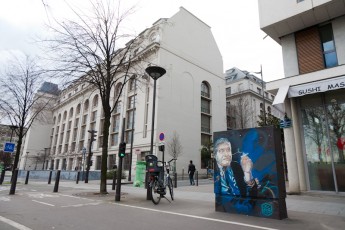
190, 101
312, 36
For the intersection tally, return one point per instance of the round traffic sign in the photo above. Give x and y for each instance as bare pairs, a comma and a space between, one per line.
161, 136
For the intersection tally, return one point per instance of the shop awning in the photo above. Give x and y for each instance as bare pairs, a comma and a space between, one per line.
317, 87
278, 102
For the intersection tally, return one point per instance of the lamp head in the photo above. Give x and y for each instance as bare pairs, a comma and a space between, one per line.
155, 72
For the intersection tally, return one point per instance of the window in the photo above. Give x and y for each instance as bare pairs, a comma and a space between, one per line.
205, 124
328, 46
206, 118
130, 119
78, 109
315, 49
95, 101
205, 92
116, 123
118, 89
131, 84
259, 90
86, 106
131, 101
71, 113
114, 138
205, 106
93, 116
298, 1
64, 115
228, 91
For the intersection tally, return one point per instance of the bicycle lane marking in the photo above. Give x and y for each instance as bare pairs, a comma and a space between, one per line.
14, 224
198, 217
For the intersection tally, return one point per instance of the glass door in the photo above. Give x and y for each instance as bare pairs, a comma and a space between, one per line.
323, 123
335, 106
318, 153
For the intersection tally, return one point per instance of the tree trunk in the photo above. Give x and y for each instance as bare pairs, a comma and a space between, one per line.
104, 168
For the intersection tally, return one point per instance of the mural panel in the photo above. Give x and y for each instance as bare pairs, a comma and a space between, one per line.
248, 175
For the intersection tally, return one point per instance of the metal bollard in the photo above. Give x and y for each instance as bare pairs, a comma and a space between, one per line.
27, 177
14, 182
57, 180
175, 180
197, 178
2, 177
78, 175
114, 180
50, 177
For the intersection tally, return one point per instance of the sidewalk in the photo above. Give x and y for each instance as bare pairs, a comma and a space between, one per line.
307, 202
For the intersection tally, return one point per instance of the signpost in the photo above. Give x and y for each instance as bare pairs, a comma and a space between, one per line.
9, 147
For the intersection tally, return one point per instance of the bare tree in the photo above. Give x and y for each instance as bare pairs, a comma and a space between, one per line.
239, 112
88, 49
20, 99
174, 147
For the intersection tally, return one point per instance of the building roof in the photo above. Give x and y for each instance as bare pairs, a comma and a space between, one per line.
48, 87
234, 74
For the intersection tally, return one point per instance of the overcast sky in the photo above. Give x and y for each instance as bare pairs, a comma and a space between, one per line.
235, 26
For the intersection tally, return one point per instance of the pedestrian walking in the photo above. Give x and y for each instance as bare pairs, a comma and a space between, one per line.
191, 170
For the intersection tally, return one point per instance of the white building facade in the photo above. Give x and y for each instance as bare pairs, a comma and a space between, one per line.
312, 36
246, 99
190, 100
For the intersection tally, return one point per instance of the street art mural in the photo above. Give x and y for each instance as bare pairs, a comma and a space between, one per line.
248, 172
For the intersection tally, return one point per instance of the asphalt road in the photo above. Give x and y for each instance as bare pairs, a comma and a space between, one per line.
75, 207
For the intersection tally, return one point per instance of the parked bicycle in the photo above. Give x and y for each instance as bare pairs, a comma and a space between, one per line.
159, 178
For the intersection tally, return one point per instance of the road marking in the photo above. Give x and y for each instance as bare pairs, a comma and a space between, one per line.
82, 198
80, 205
43, 203
14, 224
198, 217
5, 199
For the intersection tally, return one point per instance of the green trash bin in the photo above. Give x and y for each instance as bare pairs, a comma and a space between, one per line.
140, 174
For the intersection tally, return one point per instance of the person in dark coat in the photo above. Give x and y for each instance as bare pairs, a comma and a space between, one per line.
191, 170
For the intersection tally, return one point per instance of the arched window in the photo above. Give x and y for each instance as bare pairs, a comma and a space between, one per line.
86, 106
59, 118
71, 113
78, 108
131, 83
205, 90
206, 122
64, 115
118, 90
269, 110
95, 101
54, 120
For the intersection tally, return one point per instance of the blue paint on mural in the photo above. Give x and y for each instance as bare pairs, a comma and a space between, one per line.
245, 171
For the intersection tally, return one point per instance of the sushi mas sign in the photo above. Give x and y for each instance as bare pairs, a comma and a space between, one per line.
317, 87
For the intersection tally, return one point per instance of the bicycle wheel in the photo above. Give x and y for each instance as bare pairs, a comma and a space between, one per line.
154, 186
171, 188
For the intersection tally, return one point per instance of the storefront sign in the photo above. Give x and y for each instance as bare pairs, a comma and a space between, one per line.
317, 87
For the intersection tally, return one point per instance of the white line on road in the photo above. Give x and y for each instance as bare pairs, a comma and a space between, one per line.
80, 205
14, 224
198, 217
43, 203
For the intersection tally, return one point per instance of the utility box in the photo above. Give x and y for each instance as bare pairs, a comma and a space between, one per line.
248, 172
140, 174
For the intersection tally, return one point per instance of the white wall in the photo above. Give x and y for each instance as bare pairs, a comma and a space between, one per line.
289, 55
339, 38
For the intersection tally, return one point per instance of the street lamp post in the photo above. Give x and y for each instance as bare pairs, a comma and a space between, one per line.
154, 72
26, 158
263, 94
